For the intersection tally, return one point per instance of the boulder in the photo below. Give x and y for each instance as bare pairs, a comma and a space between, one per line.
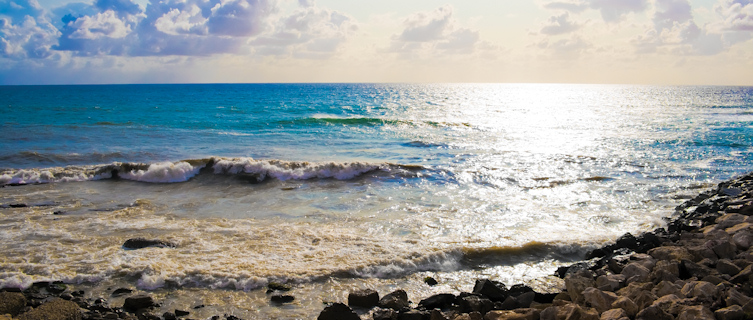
437, 301
725, 266
670, 253
395, 300
412, 314
724, 249
614, 314
600, 300
743, 240
653, 313
54, 309
612, 282
734, 297
730, 313
626, 304
12, 303
635, 272
665, 287
139, 243
470, 303
338, 311
384, 314
702, 290
365, 298
696, 313
666, 271
670, 303
495, 291
517, 314
644, 299
575, 285
139, 301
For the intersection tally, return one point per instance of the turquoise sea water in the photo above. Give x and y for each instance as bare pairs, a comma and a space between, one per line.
337, 186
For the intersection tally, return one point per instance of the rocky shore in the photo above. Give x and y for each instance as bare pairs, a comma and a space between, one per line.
699, 267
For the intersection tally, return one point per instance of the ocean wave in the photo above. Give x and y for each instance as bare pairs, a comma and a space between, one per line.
181, 171
366, 121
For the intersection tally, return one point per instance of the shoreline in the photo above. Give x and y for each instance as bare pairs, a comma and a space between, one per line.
700, 265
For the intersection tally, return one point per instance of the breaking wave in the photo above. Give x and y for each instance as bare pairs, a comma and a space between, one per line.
181, 171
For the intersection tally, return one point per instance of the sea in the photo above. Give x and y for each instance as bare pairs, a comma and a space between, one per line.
330, 188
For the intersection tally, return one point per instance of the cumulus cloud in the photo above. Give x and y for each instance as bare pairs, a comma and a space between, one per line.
611, 10
567, 48
737, 15
615, 10
675, 31
436, 31
560, 24
309, 32
24, 31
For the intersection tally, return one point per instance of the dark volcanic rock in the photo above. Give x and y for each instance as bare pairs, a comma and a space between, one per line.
495, 291
365, 298
437, 301
281, 298
121, 291
139, 243
139, 301
338, 311
395, 300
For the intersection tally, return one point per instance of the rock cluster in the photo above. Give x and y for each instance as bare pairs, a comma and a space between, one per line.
699, 267
54, 301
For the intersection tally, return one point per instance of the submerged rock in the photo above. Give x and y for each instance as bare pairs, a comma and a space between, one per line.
139, 243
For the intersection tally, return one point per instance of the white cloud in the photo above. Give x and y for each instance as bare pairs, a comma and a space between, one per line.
560, 24
309, 32
24, 31
105, 24
737, 15
436, 32
615, 10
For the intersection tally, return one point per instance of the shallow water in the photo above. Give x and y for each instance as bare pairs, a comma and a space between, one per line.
335, 187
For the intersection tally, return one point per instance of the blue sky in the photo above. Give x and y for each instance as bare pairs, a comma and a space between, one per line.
555, 41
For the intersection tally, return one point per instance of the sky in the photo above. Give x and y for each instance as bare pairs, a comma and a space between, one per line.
668, 42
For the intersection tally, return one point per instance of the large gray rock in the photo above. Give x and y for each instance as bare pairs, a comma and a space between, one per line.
734, 312
702, 290
635, 272
437, 301
653, 313
626, 304
614, 314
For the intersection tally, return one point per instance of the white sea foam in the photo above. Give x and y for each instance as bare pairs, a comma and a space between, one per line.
164, 172
290, 170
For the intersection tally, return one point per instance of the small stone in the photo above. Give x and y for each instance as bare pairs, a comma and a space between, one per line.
338, 311
365, 298
430, 281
